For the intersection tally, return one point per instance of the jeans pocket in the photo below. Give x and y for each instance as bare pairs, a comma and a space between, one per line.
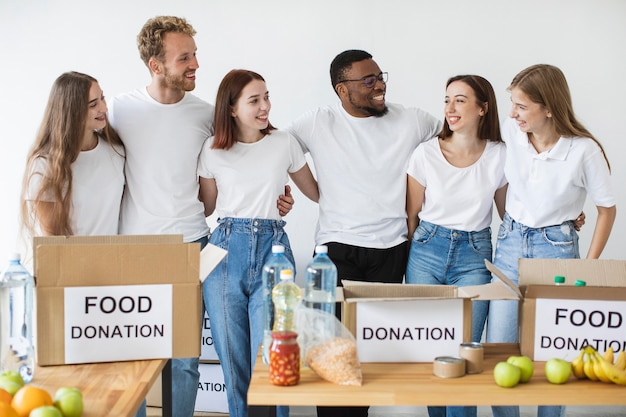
561, 235
422, 234
482, 246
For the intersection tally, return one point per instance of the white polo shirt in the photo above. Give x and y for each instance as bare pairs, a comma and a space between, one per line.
550, 188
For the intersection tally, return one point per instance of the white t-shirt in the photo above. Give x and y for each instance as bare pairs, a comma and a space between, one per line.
458, 198
97, 187
163, 142
360, 164
251, 176
549, 188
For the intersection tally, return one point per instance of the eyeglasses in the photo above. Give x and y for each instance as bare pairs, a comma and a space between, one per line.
370, 80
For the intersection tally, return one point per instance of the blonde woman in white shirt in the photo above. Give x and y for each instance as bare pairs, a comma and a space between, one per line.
552, 164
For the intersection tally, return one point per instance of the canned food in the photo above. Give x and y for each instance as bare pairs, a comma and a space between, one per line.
448, 367
473, 354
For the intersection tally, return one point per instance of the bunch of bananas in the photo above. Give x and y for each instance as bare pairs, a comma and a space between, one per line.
591, 365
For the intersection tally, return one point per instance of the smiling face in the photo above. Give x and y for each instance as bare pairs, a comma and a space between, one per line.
531, 117
462, 110
96, 113
251, 111
357, 99
179, 66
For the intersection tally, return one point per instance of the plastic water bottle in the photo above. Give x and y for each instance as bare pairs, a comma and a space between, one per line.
271, 276
321, 281
286, 296
16, 319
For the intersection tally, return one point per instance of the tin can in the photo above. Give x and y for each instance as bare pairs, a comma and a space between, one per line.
473, 354
448, 367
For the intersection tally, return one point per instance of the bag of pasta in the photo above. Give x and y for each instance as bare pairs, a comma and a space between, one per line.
328, 347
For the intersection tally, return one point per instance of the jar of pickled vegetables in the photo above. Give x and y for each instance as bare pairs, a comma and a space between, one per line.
284, 358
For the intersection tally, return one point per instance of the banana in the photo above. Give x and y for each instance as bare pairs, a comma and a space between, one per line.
617, 376
578, 365
620, 362
588, 369
608, 355
598, 367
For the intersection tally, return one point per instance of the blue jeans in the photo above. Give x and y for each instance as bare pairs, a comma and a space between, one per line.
517, 241
442, 256
185, 378
233, 296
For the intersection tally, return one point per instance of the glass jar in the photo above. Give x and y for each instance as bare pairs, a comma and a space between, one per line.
284, 358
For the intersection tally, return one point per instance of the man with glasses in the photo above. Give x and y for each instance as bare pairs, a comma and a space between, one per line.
360, 148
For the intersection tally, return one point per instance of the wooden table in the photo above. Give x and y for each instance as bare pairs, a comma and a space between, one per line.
109, 389
391, 384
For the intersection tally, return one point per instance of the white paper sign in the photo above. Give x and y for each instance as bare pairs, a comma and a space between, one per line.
207, 350
113, 323
211, 396
408, 331
563, 327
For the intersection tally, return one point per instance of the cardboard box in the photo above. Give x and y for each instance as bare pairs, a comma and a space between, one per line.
412, 323
557, 321
113, 298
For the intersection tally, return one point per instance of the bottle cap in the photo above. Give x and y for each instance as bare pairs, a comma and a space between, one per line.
321, 249
286, 274
278, 249
580, 283
559, 279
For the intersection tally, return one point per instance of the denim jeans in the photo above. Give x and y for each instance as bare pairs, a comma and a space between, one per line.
517, 241
442, 256
233, 296
185, 378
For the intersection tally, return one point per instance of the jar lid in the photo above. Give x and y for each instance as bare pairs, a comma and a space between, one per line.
580, 283
284, 335
559, 279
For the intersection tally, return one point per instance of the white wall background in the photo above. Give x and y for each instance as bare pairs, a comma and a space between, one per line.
291, 43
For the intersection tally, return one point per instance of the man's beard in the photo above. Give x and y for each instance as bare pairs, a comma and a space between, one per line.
178, 82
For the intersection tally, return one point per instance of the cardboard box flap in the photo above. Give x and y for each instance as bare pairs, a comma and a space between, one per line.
364, 290
596, 272
509, 285
492, 291
126, 264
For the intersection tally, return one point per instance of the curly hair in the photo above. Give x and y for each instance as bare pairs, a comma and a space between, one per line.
150, 38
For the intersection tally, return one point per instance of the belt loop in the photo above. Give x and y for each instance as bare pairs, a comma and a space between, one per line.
228, 224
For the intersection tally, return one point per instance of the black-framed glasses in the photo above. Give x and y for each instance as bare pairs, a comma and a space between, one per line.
370, 80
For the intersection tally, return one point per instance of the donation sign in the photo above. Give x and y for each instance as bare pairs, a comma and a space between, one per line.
408, 330
116, 323
563, 327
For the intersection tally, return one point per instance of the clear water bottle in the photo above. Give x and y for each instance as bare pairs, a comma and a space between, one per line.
16, 319
271, 276
321, 281
286, 295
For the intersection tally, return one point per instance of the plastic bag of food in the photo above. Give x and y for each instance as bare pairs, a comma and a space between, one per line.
327, 347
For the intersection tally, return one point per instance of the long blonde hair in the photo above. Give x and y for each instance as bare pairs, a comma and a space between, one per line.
59, 141
546, 85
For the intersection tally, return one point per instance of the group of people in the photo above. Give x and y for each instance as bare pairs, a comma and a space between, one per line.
399, 192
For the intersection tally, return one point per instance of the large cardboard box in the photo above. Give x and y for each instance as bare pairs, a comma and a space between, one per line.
114, 298
412, 323
557, 321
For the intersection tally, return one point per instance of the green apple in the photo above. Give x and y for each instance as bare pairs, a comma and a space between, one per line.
69, 401
506, 375
524, 364
12, 376
45, 411
558, 370
10, 386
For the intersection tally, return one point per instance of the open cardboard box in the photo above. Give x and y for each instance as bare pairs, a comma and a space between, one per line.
557, 321
115, 298
413, 323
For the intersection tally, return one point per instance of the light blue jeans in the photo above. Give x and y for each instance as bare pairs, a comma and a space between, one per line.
517, 241
185, 378
442, 256
233, 296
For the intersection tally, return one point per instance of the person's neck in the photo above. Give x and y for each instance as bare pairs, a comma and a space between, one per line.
249, 136
543, 141
164, 95
467, 142
89, 142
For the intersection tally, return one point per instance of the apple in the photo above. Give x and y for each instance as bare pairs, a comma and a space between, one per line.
525, 364
558, 370
12, 376
10, 386
69, 401
45, 411
506, 375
